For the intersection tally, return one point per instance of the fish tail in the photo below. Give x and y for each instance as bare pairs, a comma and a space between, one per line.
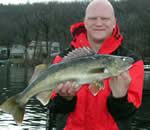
11, 106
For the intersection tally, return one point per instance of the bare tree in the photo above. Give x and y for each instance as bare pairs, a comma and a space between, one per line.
24, 31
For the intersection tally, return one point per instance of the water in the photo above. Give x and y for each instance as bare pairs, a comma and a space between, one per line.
12, 81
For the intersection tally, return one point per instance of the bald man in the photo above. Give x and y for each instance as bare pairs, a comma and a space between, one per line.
113, 106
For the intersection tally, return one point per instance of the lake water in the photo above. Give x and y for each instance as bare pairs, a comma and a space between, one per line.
12, 81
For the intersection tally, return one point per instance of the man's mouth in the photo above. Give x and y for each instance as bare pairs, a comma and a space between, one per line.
100, 29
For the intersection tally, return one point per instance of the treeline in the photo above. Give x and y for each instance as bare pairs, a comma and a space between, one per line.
19, 24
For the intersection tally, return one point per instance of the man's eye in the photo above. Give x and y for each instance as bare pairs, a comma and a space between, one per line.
92, 18
105, 19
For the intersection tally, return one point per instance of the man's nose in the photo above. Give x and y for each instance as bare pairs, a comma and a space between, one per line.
98, 21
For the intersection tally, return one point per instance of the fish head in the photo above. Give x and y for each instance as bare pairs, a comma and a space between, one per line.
118, 64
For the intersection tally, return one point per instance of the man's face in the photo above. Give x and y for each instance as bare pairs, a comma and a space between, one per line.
99, 21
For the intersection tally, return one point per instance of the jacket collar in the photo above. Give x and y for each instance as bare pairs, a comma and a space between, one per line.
109, 45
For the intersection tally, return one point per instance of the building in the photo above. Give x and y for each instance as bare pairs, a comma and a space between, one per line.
17, 51
3, 52
40, 47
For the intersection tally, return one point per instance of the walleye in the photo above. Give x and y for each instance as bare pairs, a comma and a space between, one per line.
82, 66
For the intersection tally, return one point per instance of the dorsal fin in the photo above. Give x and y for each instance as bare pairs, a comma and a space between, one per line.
79, 52
38, 69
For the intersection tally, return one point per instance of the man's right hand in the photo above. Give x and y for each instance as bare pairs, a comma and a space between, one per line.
67, 90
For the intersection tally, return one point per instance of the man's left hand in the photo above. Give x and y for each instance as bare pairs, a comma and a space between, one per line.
119, 85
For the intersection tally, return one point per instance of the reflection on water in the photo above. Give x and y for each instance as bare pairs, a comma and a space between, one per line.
34, 119
12, 82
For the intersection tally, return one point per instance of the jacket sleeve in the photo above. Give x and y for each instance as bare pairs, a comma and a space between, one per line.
122, 108
60, 105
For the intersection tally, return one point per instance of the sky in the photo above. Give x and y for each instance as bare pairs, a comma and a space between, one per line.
30, 1
25, 1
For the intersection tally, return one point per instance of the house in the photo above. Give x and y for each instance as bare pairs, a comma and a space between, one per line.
55, 48
40, 47
17, 51
4, 52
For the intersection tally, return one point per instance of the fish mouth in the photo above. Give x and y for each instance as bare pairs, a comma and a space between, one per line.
127, 68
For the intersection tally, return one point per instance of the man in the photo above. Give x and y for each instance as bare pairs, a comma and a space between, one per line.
113, 107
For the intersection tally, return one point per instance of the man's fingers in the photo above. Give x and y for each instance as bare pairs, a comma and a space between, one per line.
73, 89
65, 88
125, 75
58, 88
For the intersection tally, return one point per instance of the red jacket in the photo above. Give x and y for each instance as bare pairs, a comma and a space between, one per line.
103, 112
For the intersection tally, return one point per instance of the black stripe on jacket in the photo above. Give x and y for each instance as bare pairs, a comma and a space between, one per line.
121, 110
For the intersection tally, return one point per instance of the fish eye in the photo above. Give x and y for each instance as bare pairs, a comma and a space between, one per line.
124, 59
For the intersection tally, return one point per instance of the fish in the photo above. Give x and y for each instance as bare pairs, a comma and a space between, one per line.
82, 66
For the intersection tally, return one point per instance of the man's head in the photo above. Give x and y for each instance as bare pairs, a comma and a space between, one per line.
99, 20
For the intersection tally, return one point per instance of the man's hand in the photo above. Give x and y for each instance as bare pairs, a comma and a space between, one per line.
67, 90
119, 85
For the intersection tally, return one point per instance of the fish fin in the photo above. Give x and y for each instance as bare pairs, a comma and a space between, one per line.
44, 97
79, 52
11, 106
38, 69
96, 86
